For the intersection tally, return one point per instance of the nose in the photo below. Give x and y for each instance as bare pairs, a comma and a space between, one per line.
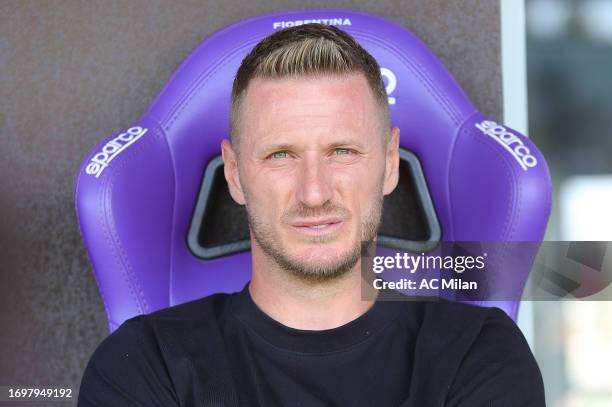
313, 182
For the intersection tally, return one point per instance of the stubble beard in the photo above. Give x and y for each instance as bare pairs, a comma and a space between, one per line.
312, 269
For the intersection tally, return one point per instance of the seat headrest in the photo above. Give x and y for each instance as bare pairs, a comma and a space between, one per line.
137, 191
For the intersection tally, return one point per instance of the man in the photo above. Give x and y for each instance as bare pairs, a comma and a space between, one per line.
311, 156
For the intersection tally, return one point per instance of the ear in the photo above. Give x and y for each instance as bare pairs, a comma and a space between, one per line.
230, 170
392, 162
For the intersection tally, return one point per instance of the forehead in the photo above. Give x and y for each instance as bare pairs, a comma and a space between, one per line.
355, 83
272, 107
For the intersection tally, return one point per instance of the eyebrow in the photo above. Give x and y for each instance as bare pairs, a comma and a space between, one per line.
275, 147
288, 146
345, 143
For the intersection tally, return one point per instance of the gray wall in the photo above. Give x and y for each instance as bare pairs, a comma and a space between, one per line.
72, 72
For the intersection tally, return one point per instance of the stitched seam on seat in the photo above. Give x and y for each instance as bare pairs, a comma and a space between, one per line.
421, 75
212, 37
510, 219
174, 215
449, 201
99, 192
105, 201
129, 271
510, 175
199, 83
137, 151
113, 238
518, 198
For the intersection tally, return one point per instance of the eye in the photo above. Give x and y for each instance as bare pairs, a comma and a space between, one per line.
343, 151
278, 155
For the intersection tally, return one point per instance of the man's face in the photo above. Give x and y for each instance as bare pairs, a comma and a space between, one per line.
312, 169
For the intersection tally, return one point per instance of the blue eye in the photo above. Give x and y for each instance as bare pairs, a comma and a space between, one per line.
279, 154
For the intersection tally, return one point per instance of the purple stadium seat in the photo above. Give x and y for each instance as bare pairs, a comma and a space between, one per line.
160, 228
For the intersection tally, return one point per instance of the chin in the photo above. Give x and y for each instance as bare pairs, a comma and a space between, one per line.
320, 256
319, 249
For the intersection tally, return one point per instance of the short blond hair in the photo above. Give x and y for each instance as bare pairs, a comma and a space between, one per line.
307, 50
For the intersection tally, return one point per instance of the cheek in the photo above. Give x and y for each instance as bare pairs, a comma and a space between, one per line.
361, 183
359, 192
269, 191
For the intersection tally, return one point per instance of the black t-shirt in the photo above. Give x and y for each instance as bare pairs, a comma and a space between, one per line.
222, 350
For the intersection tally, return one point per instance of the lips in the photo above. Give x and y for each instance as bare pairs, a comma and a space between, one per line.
318, 226
316, 222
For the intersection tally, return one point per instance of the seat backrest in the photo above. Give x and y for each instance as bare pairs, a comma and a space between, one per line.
149, 197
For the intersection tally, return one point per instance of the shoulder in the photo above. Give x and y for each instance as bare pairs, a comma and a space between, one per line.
135, 362
472, 323
498, 368
485, 335
211, 306
125, 343
459, 312
178, 327
127, 368
149, 330
481, 358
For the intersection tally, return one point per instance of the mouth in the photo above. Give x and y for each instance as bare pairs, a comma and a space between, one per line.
317, 227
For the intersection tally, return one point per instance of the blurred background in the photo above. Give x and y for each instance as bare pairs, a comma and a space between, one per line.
569, 82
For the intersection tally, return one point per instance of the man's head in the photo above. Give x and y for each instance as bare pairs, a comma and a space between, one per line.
312, 152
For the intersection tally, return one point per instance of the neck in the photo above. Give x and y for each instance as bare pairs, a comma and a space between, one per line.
302, 304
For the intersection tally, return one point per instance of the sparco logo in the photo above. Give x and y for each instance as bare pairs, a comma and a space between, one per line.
510, 142
327, 21
112, 149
